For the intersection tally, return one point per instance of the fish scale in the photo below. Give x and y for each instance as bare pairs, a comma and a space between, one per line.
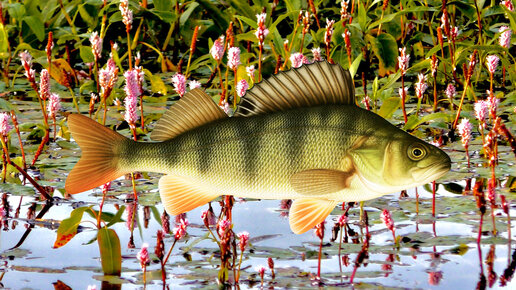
298, 135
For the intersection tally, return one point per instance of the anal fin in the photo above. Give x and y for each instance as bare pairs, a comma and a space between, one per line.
180, 194
306, 213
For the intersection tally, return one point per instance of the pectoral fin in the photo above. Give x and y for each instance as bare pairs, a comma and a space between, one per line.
306, 213
321, 181
179, 194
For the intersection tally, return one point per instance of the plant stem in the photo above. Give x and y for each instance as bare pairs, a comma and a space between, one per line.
169, 252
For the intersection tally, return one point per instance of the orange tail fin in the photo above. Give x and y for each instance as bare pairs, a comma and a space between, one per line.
99, 161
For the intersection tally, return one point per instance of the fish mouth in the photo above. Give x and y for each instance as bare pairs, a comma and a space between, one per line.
431, 172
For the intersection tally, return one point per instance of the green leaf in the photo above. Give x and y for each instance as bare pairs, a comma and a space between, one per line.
92, 21
117, 217
414, 120
188, 12
163, 5
389, 106
248, 21
68, 227
4, 42
385, 49
110, 251
86, 54
36, 26
354, 66
218, 15
16, 10
157, 84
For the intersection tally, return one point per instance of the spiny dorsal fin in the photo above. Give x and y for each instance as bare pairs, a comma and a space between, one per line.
319, 83
196, 108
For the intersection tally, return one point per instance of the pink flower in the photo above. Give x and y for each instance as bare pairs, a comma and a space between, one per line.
366, 101
492, 104
250, 71
26, 58
108, 77
508, 4
491, 191
329, 32
343, 220
96, 44
179, 82
316, 53
242, 87
464, 129
450, 91
226, 107
54, 104
44, 84
386, 217
403, 92
217, 50
297, 59
434, 64
344, 9
505, 36
454, 32
233, 57
260, 270
403, 60
105, 187
505, 206
127, 14
4, 124
319, 230
194, 84
223, 226
92, 287
261, 31
244, 240
180, 230
132, 91
492, 63
481, 111
421, 85
208, 217
143, 255
306, 21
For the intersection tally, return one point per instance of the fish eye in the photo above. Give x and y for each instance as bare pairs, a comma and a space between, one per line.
416, 152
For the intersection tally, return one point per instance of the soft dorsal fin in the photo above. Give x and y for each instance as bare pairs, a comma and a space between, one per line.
319, 83
194, 109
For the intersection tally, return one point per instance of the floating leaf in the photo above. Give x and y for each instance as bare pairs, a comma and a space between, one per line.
110, 251
68, 227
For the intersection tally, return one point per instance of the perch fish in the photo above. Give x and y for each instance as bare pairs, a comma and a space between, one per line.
297, 135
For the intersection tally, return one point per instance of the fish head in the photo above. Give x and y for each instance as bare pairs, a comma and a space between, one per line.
410, 162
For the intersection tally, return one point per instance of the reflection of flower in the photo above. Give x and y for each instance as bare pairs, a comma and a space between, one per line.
319, 230
434, 278
386, 217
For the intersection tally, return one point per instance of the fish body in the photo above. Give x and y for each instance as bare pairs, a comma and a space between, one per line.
317, 154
